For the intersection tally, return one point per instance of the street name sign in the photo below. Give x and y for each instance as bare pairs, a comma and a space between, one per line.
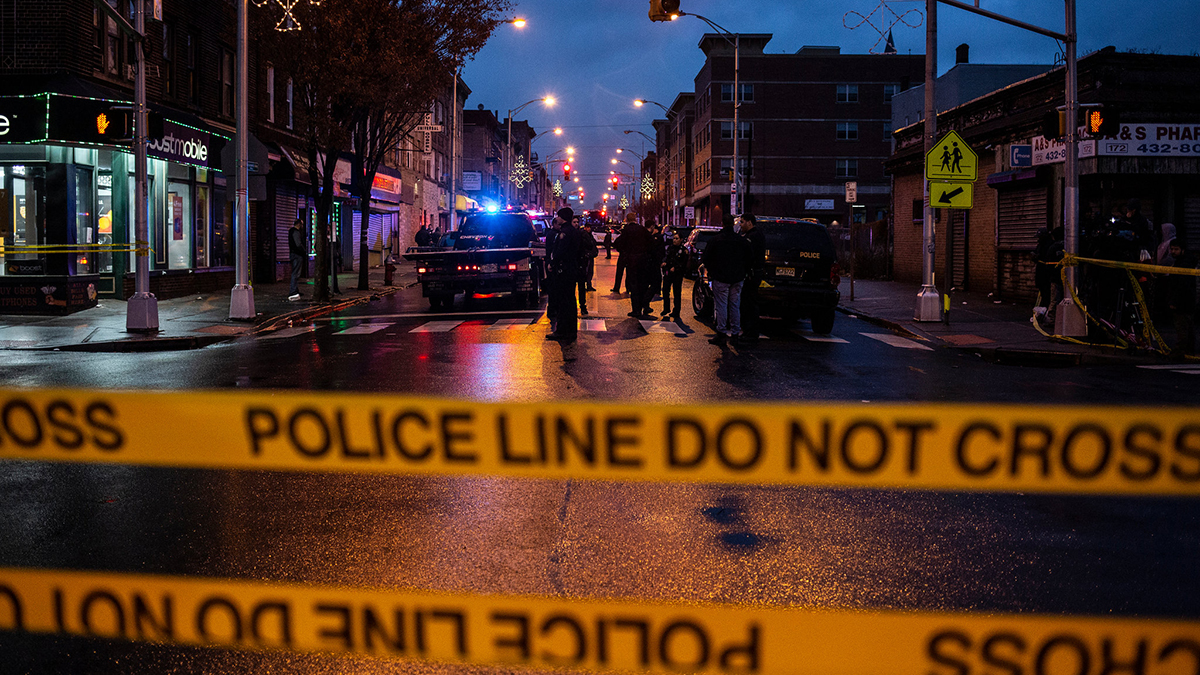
951, 159
946, 195
428, 127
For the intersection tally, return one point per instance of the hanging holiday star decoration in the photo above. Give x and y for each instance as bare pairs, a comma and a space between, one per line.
557, 188
288, 22
647, 186
520, 173
624, 202
912, 18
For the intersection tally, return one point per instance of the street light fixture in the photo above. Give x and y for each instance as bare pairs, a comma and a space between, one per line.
639, 102
549, 101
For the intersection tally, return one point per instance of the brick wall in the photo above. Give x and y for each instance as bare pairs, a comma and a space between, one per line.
178, 283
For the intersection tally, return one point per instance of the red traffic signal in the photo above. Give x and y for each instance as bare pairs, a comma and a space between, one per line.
566, 171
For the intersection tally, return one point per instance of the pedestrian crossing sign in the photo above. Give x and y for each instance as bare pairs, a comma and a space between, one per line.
951, 159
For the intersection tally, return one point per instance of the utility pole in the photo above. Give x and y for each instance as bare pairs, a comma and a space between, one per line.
141, 312
929, 305
241, 300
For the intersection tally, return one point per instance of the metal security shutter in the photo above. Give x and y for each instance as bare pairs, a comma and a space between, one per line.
1189, 229
1022, 214
285, 214
958, 248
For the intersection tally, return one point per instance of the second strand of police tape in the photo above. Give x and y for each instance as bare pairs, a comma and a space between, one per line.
1072, 449
583, 634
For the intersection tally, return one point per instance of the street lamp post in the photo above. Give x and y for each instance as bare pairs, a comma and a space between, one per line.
639, 102
736, 192
548, 100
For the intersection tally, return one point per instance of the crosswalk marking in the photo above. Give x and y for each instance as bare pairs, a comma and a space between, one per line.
511, 324
662, 327
290, 332
1184, 368
436, 327
593, 325
896, 341
364, 329
813, 337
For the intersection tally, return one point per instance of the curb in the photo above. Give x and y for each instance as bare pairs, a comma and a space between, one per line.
314, 311
134, 345
883, 323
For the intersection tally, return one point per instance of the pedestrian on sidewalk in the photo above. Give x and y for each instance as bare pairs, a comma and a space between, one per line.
1181, 297
564, 261
674, 266
754, 276
297, 256
727, 259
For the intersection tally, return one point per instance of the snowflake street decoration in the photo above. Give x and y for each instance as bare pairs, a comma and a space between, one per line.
647, 186
520, 174
624, 202
557, 188
887, 19
288, 22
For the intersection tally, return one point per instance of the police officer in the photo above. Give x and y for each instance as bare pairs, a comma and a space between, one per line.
564, 256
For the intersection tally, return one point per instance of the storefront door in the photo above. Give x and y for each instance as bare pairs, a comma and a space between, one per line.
23, 221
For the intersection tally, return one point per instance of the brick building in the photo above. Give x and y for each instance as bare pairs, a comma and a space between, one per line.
809, 122
988, 247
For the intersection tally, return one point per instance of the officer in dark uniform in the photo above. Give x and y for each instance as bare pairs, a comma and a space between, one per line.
564, 256
754, 277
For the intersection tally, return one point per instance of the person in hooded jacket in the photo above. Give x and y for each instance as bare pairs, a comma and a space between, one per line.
727, 261
634, 246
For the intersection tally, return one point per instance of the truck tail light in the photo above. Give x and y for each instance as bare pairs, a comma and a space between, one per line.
511, 267
422, 270
835, 274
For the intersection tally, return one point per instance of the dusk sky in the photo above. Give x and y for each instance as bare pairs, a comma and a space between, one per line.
596, 56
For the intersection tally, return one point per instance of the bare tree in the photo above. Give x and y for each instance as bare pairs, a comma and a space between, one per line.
362, 69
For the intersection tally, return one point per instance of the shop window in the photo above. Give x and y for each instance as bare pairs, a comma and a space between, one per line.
847, 131
847, 93
104, 222
179, 226
85, 221
21, 222
203, 221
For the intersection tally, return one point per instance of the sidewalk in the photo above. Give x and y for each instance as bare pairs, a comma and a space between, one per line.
999, 331
189, 322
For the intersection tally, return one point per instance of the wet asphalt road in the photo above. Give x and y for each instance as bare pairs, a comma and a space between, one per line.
828, 548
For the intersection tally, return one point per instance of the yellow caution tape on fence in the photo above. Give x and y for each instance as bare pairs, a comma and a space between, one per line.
1044, 448
1069, 259
538, 632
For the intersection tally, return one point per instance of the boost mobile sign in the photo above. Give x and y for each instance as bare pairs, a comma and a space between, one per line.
181, 144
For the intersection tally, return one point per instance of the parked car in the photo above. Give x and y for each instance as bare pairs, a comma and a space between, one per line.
695, 241
801, 273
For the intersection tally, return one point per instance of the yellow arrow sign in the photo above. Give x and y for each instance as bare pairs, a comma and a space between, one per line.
943, 195
951, 159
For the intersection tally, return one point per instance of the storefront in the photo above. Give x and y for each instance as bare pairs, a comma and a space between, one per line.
67, 190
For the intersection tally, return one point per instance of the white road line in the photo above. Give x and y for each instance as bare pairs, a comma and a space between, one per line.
1178, 367
511, 324
813, 337
289, 332
425, 315
436, 327
593, 325
896, 341
364, 329
662, 327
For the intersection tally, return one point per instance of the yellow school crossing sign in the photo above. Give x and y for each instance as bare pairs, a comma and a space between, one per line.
951, 159
946, 195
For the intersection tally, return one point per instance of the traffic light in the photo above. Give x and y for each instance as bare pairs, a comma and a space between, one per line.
1054, 124
566, 172
1102, 122
115, 124
664, 10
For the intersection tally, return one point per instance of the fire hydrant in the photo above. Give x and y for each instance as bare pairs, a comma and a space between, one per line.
389, 272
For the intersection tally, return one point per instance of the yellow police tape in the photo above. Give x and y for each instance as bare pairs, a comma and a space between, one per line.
1043, 448
539, 632
1069, 259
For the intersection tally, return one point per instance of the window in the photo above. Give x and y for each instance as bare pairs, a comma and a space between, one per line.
747, 167
847, 131
747, 92
889, 91
289, 103
227, 89
168, 55
846, 168
270, 94
746, 130
193, 79
918, 212
847, 93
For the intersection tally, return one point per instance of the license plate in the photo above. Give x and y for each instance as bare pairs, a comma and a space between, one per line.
488, 268
785, 271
